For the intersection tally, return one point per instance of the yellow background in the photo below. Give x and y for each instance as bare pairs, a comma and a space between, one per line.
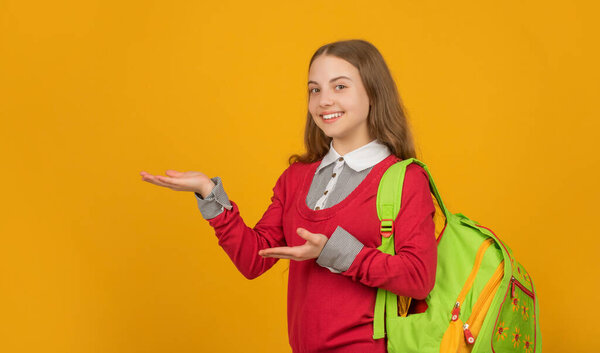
502, 97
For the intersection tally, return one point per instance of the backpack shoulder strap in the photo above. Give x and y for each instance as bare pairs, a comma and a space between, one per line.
389, 202
389, 193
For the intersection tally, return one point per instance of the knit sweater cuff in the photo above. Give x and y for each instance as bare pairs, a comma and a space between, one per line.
215, 203
339, 251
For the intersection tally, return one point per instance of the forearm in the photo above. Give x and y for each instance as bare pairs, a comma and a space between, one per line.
240, 242
403, 274
411, 271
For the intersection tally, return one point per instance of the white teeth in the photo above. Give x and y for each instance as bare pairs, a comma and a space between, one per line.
331, 116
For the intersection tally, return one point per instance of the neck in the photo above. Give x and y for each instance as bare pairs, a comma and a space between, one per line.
344, 146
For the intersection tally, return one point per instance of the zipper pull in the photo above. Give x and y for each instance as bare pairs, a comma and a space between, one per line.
456, 311
468, 335
512, 287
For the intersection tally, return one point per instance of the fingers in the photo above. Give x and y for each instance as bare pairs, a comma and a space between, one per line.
278, 251
167, 180
298, 253
173, 173
179, 181
160, 180
282, 257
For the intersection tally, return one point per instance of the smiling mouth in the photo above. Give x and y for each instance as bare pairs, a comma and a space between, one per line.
332, 117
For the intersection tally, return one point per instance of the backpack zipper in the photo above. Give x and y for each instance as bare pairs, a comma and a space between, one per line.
469, 283
453, 337
490, 288
514, 282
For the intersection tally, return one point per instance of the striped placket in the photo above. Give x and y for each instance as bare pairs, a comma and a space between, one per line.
337, 169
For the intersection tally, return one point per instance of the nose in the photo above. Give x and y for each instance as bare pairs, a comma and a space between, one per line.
326, 98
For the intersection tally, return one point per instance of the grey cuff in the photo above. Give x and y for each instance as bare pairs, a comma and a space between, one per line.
215, 203
339, 251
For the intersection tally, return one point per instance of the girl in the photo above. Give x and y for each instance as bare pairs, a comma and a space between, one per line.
322, 214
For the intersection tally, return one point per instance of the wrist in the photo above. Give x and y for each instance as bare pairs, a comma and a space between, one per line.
206, 189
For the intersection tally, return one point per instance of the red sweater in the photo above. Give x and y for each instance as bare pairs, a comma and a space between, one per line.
333, 312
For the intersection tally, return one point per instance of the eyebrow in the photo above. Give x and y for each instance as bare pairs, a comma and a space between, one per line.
333, 79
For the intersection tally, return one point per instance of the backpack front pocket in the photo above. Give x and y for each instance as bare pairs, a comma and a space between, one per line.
515, 326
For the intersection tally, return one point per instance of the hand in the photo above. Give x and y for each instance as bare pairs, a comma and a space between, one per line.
182, 181
310, 250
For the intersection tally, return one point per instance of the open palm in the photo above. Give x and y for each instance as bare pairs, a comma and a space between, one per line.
315, 243
181, 181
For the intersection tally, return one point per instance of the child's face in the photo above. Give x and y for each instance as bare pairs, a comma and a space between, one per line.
345, 95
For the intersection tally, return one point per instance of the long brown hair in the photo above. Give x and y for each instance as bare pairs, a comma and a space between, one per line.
386, 121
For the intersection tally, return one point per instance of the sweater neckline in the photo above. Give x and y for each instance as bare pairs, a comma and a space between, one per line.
373, 176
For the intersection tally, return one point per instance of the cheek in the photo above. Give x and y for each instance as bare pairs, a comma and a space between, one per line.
313, 111
354, 109
359, 108
315, 120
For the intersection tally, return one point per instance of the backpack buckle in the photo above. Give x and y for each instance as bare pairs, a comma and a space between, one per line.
387, 228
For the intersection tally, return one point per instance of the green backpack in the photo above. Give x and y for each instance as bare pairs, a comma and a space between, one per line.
483, 299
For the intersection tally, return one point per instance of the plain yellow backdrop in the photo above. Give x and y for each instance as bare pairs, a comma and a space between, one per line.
502, 98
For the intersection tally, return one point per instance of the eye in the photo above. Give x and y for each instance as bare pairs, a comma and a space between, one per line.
310, 90
340, 85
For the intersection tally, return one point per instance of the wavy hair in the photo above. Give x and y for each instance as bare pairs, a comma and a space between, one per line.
387, 121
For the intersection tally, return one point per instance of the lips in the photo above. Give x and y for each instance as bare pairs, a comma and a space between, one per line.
328, 121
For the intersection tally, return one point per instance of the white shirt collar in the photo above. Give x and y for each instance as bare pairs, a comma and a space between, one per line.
359, 159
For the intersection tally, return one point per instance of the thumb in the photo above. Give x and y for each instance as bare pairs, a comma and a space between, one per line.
303, 233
